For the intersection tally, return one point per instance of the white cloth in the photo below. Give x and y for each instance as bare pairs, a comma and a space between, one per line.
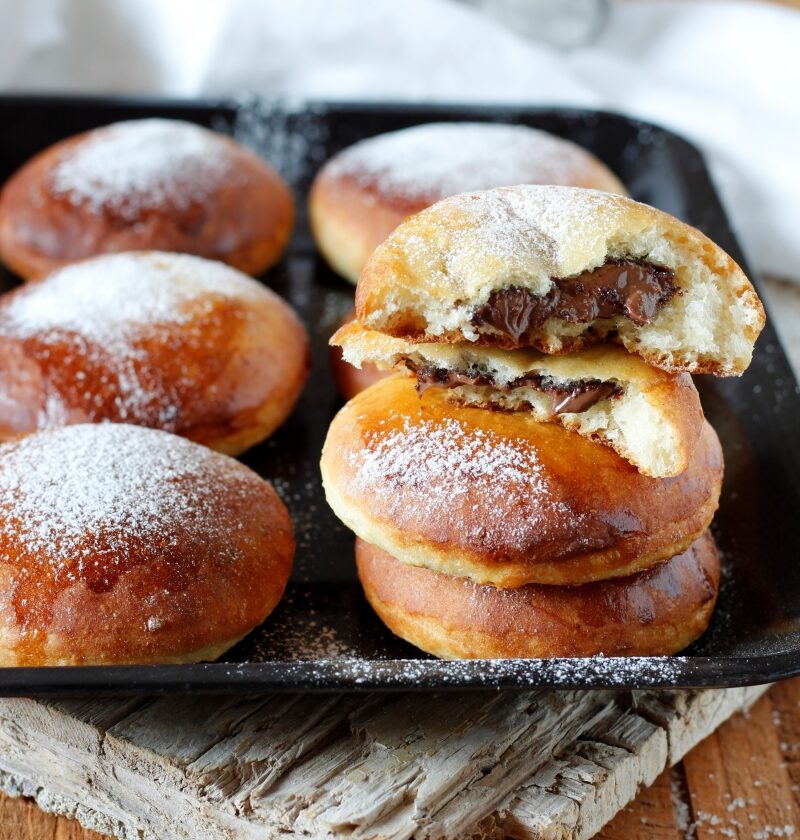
724, 74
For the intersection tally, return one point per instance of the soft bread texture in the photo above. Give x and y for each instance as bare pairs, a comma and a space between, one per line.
361, 194
122, 545
503, 499
655, 612
350, 379
425, 282
168, 341
153, 184
654, 422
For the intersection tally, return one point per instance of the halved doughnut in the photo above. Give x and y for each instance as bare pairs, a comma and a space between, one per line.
558, 268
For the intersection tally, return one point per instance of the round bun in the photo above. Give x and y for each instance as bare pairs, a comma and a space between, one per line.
150, 184
503, 499
655, 612
163, 340
351, 380
122, 545
362, 194
442, 274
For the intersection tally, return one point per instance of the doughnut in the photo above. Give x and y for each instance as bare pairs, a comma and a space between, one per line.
352, 379
558, 268
502, 499
361, 194
126, 545
655, 612
650, 417
169, 341
152, 184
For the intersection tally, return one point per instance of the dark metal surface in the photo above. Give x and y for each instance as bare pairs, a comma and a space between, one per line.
324, 636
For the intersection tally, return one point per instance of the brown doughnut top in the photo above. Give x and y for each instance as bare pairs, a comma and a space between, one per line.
655, 612
144, 184
163, 340
501, 498
366, 190
415, 167
120, 544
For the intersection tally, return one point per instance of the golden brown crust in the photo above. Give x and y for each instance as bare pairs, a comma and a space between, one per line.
245, 219
353, 208
345, 229
222, 364
502, 499
173, 554
656, 612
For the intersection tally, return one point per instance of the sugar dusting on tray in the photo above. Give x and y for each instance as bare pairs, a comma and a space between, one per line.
596, 671
291, 135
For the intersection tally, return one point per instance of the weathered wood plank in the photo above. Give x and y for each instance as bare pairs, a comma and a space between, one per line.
522, 765
785, 700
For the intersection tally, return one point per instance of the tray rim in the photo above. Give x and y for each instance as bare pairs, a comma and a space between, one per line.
328, 675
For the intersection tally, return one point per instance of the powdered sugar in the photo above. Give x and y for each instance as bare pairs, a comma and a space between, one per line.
425, 453
590, 672
72, 495
108, 298
440, 159
464, 472
112, 314
513, 224
137, 165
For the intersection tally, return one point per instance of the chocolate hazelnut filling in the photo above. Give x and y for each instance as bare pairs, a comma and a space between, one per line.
629, 288
575, 397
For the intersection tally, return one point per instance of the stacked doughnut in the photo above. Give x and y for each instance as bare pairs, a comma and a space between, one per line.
122, 538
539, 479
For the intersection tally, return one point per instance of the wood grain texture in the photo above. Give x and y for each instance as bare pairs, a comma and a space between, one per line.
523, 765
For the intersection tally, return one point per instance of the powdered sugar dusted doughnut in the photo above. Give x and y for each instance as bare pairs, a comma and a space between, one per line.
655, 612
164, 340
120, 544
145, 184
557, 268
501, 498
365, 191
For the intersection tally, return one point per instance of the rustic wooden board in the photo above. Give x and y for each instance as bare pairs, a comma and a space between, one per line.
524, 765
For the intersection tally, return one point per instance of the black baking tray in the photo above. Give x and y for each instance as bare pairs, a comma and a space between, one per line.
323, 636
